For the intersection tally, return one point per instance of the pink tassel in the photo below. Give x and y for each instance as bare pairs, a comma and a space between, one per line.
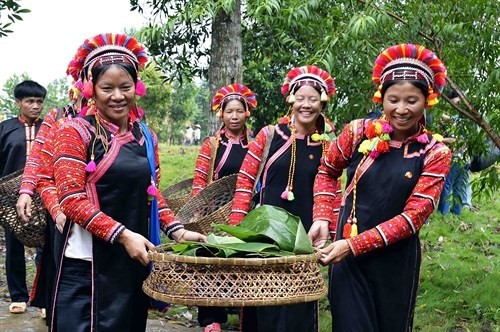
284, 194
79, 85
374, 154
83, 111
423, 138
91, 166
88, 90
140, 88
152, 191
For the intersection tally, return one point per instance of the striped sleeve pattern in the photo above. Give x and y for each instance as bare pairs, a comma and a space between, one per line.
70, 153
418, 208
200, 178
30, 176
246, 178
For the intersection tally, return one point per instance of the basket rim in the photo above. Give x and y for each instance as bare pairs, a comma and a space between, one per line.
171, 257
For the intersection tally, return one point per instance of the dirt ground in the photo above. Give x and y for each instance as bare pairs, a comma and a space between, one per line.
178, 319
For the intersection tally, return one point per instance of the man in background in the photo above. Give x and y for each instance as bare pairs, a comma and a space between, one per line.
17, 136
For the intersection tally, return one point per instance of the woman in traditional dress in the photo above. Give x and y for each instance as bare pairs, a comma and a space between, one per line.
284, 159
395, 174
106, 168
221, 155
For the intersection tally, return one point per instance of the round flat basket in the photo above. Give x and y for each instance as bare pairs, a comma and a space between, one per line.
211, 205
178, 194
234, 282
32, 233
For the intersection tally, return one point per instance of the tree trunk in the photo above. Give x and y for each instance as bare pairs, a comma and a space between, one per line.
226, 63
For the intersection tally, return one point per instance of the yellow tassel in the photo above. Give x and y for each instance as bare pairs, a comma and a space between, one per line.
291, 98
433, 101
354, 229
315, 137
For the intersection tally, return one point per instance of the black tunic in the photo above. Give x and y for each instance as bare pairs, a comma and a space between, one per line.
376, 291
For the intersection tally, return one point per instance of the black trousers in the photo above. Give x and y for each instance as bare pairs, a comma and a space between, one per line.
15, 265
74, 298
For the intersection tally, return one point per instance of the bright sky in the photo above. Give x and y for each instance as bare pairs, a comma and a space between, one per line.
45, 41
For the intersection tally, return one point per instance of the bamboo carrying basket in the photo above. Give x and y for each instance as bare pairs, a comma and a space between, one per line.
211, 205
32, 233
178, 194
234, 282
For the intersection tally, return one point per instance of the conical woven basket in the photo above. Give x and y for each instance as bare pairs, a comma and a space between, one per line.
32, 233
212, 205
178, 194
234, 282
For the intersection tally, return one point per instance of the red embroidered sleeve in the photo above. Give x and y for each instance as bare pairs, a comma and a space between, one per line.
246, 178
327, 184
30, 175
201, 168
418, 208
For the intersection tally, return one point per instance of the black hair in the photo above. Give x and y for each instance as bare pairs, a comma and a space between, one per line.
422, 85
128, 67
452, 94
29, 88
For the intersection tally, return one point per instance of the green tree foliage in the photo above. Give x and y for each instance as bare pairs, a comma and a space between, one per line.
157, 102
10, 12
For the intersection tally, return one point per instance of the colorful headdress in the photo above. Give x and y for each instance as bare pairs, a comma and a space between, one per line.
103, 49
234, 92
410, 62
308, 75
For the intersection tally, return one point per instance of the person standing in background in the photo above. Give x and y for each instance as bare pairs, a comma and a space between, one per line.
17, 136
197, 134
221, 155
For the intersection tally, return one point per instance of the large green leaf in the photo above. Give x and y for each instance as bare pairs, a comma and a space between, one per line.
270, 223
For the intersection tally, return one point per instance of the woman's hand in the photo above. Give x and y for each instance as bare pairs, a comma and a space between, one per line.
60, 221
136, 245
182, 234
319, 233
23, 207
335, 252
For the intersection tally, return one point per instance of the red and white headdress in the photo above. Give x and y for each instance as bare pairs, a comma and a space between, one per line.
410, 62
234, 92
103, 49
308, 75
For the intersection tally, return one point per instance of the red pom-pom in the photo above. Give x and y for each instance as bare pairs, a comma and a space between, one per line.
347, 231
88, 90
140, 88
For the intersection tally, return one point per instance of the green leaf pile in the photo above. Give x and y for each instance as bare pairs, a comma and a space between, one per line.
266, 231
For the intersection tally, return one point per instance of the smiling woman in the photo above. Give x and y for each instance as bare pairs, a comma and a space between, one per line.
56, 19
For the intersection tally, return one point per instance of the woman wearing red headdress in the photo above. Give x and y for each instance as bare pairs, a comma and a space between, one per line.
106, 168
222, 155
294, 148
395, 174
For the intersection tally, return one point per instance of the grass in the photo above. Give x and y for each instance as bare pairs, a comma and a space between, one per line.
459, 276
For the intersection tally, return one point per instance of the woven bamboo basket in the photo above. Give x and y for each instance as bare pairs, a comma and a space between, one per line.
211, 205
234, 282
178, 194
32, 233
